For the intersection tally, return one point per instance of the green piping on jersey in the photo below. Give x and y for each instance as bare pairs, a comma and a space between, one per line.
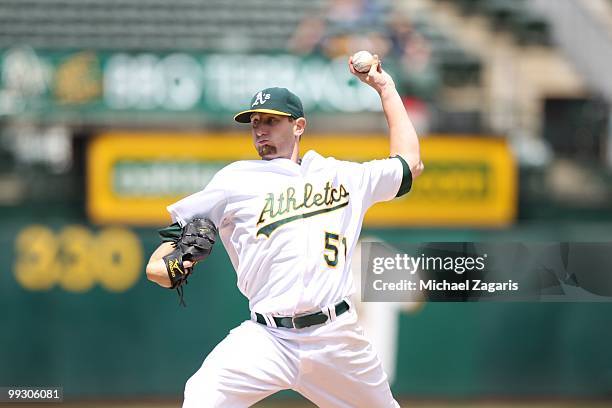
171, 233
406, 178
268, 229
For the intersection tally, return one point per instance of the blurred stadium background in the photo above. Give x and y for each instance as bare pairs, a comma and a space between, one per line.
111, 109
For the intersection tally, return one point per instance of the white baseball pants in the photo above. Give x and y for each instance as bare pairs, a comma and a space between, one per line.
333, 365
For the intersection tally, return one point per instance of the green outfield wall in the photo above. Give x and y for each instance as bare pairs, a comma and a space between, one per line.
67, 318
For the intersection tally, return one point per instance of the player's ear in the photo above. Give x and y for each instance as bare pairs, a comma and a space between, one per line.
299, 126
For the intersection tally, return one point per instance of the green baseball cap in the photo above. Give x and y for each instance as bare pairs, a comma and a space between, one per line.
279, 101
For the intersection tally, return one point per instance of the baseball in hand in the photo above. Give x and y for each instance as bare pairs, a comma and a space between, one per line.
362, 61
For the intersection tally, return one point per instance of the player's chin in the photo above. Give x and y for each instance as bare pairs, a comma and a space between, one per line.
267, 152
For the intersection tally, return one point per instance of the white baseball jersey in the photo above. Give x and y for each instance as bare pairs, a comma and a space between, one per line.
289, 228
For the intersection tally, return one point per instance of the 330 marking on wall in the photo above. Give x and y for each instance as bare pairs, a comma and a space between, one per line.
76, 259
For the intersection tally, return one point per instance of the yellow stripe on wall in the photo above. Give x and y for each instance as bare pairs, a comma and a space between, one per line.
468, 181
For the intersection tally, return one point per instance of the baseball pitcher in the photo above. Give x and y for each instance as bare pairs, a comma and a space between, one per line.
289, 224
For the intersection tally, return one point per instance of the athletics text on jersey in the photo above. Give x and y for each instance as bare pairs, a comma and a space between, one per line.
290, 229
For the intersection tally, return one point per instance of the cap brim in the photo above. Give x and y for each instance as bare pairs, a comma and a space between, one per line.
245, 116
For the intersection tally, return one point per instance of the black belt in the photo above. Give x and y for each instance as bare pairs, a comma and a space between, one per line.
301, 321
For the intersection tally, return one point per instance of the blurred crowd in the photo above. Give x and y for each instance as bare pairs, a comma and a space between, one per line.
347, 26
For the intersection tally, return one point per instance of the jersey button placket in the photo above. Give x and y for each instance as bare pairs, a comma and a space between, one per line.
303, 242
